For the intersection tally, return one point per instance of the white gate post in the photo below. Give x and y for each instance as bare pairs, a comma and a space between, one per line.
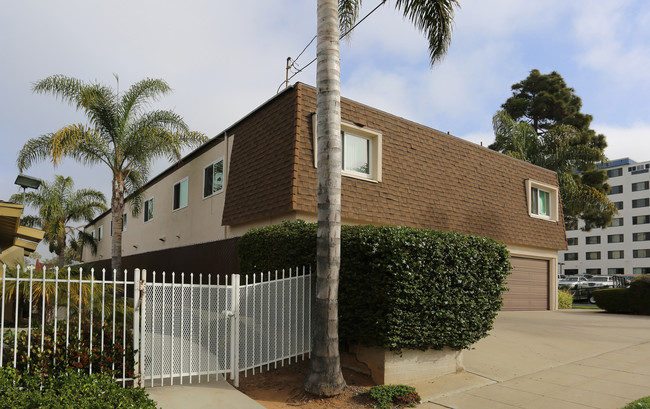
137, 299
234, 330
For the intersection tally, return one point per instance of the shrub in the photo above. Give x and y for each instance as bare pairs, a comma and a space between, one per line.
76, 354
564, 300
400, 287
388, 395
632, 300
70, 390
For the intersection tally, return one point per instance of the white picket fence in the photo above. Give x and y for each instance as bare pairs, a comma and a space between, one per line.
183, 329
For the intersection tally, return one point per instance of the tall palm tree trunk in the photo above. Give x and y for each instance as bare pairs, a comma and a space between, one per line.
117, 209
324, 376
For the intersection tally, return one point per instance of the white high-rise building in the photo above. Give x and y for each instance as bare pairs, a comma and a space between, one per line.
624, 246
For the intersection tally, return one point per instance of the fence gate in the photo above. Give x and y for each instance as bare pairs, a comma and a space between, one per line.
195, 331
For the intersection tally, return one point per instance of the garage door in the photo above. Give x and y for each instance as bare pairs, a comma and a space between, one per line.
528, 284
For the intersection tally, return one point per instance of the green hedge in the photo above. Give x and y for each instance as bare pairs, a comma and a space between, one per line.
400, 287
632, 300
69, 390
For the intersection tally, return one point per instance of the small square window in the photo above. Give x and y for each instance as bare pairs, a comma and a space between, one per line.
148, 210
542, 200
640, 186
641, 270
642, 236
180, 194
618, 205
612, 271
213, 178
645, 219
357, 157
640, 203
570, 271
361, 154
572, 241
592, 240
593, 271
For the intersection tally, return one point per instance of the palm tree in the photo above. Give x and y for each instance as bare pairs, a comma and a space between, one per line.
120, 135
434, 18
59, 204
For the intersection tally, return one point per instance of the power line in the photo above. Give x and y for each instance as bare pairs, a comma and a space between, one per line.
294, 63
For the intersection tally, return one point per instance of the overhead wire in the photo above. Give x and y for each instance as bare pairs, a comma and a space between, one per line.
294, 62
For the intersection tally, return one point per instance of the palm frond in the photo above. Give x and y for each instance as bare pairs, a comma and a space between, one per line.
435, 19
348, 14
140, 93
66, 88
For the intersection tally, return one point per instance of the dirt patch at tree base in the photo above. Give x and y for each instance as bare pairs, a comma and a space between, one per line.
283, 388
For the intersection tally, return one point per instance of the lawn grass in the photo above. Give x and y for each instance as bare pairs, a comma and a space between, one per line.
643, 403
585, 307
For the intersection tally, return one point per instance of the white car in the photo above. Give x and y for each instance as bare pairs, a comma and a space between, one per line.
572, 282
600, 282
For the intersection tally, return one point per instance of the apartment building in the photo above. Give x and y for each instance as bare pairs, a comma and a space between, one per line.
263, 170
624, 246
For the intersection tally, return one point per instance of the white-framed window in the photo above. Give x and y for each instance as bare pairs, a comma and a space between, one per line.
542, 200
179, 194
213, 178
148, 210
92, 234
100, 233
361, 151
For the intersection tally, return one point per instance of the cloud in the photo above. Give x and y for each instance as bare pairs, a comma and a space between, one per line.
626, 141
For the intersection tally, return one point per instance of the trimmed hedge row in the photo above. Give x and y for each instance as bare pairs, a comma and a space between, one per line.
632, 300
400, 287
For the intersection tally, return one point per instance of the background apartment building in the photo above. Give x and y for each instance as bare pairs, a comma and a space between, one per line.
624, 246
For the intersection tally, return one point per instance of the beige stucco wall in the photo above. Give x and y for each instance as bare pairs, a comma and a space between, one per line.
198, 222
388, 367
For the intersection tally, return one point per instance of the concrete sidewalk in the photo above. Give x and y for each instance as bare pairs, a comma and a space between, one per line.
204, 395
573, 359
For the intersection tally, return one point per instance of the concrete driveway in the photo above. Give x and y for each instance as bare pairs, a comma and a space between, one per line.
550, 359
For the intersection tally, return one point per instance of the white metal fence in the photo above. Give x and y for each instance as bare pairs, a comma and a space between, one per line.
72, 319
172, 327
221, 325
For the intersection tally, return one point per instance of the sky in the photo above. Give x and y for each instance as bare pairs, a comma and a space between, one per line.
223, 59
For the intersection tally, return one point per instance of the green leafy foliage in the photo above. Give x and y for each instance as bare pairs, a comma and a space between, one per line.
632, 300
69, 390
400, 287
541, 123
564, 300
60, 355
386, 396
643, 403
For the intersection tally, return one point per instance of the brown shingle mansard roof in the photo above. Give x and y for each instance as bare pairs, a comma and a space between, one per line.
430, 179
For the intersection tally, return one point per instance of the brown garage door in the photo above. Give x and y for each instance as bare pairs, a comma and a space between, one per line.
528, 284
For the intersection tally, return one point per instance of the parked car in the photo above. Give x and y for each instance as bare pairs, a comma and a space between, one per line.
572, 282
600, 282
